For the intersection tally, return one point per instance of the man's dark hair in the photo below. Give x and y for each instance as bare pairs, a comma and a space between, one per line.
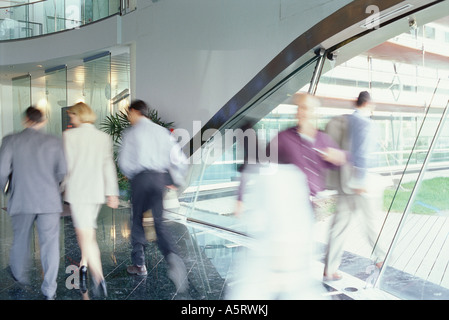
140, 106
363, 98
34, 115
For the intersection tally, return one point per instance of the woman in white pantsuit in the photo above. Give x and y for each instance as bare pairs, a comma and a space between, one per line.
91, 181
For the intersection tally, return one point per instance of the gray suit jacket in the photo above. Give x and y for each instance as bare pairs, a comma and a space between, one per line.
37, 164
338, 179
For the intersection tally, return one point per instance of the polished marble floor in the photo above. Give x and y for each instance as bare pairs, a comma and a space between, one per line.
210, 256
207, 258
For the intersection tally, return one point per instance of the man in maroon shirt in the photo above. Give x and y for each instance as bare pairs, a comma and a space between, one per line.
310, 149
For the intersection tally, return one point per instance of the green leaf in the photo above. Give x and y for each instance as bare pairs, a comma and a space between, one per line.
115, 125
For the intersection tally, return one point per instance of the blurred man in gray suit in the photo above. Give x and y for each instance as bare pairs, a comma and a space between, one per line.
34, 164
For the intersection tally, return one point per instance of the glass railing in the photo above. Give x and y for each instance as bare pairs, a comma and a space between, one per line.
412, 212
416, 224
211, 196
44, 17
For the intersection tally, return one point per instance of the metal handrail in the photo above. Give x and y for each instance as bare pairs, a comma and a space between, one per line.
22, 4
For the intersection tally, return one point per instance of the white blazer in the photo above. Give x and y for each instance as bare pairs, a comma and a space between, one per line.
91, 171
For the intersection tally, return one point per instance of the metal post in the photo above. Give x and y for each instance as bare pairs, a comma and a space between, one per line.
317, 73
413, 194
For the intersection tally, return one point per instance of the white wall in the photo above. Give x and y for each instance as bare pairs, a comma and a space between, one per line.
194, 56
189, 57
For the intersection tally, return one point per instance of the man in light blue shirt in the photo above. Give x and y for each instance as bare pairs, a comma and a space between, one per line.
362, 194
146, 156
145, 146
363, 143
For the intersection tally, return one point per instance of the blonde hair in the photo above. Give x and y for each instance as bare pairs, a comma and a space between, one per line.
84, 112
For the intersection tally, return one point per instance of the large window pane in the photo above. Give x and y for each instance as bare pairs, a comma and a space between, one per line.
410, 89
418, 246
21, 99
56, 90
54, 16
97, 86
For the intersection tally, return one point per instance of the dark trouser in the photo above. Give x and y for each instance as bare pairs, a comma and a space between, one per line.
48, 230
147, 191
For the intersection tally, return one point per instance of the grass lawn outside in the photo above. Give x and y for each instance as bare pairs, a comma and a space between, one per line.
431, 198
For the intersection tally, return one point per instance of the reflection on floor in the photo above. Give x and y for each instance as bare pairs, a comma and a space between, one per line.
113, 238
209, 256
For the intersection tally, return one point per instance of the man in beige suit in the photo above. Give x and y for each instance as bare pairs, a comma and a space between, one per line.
353, 197
91, 181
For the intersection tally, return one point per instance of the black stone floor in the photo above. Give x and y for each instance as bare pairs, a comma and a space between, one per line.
207, 258
209, 254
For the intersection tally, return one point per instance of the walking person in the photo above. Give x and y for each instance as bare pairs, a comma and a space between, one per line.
280, 222
145, 158
358, 190
35, 164
91, 181
310, 149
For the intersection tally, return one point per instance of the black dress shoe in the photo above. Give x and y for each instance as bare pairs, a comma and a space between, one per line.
83, 279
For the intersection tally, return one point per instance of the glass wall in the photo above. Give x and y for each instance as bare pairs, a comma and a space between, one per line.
409, 87
418, 213
21, 99
43, 17
212, 194
56, 98
102, 81
54, 16
97, 85
407, 78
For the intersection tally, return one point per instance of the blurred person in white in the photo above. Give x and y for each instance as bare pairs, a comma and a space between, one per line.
91, 181
279, 217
